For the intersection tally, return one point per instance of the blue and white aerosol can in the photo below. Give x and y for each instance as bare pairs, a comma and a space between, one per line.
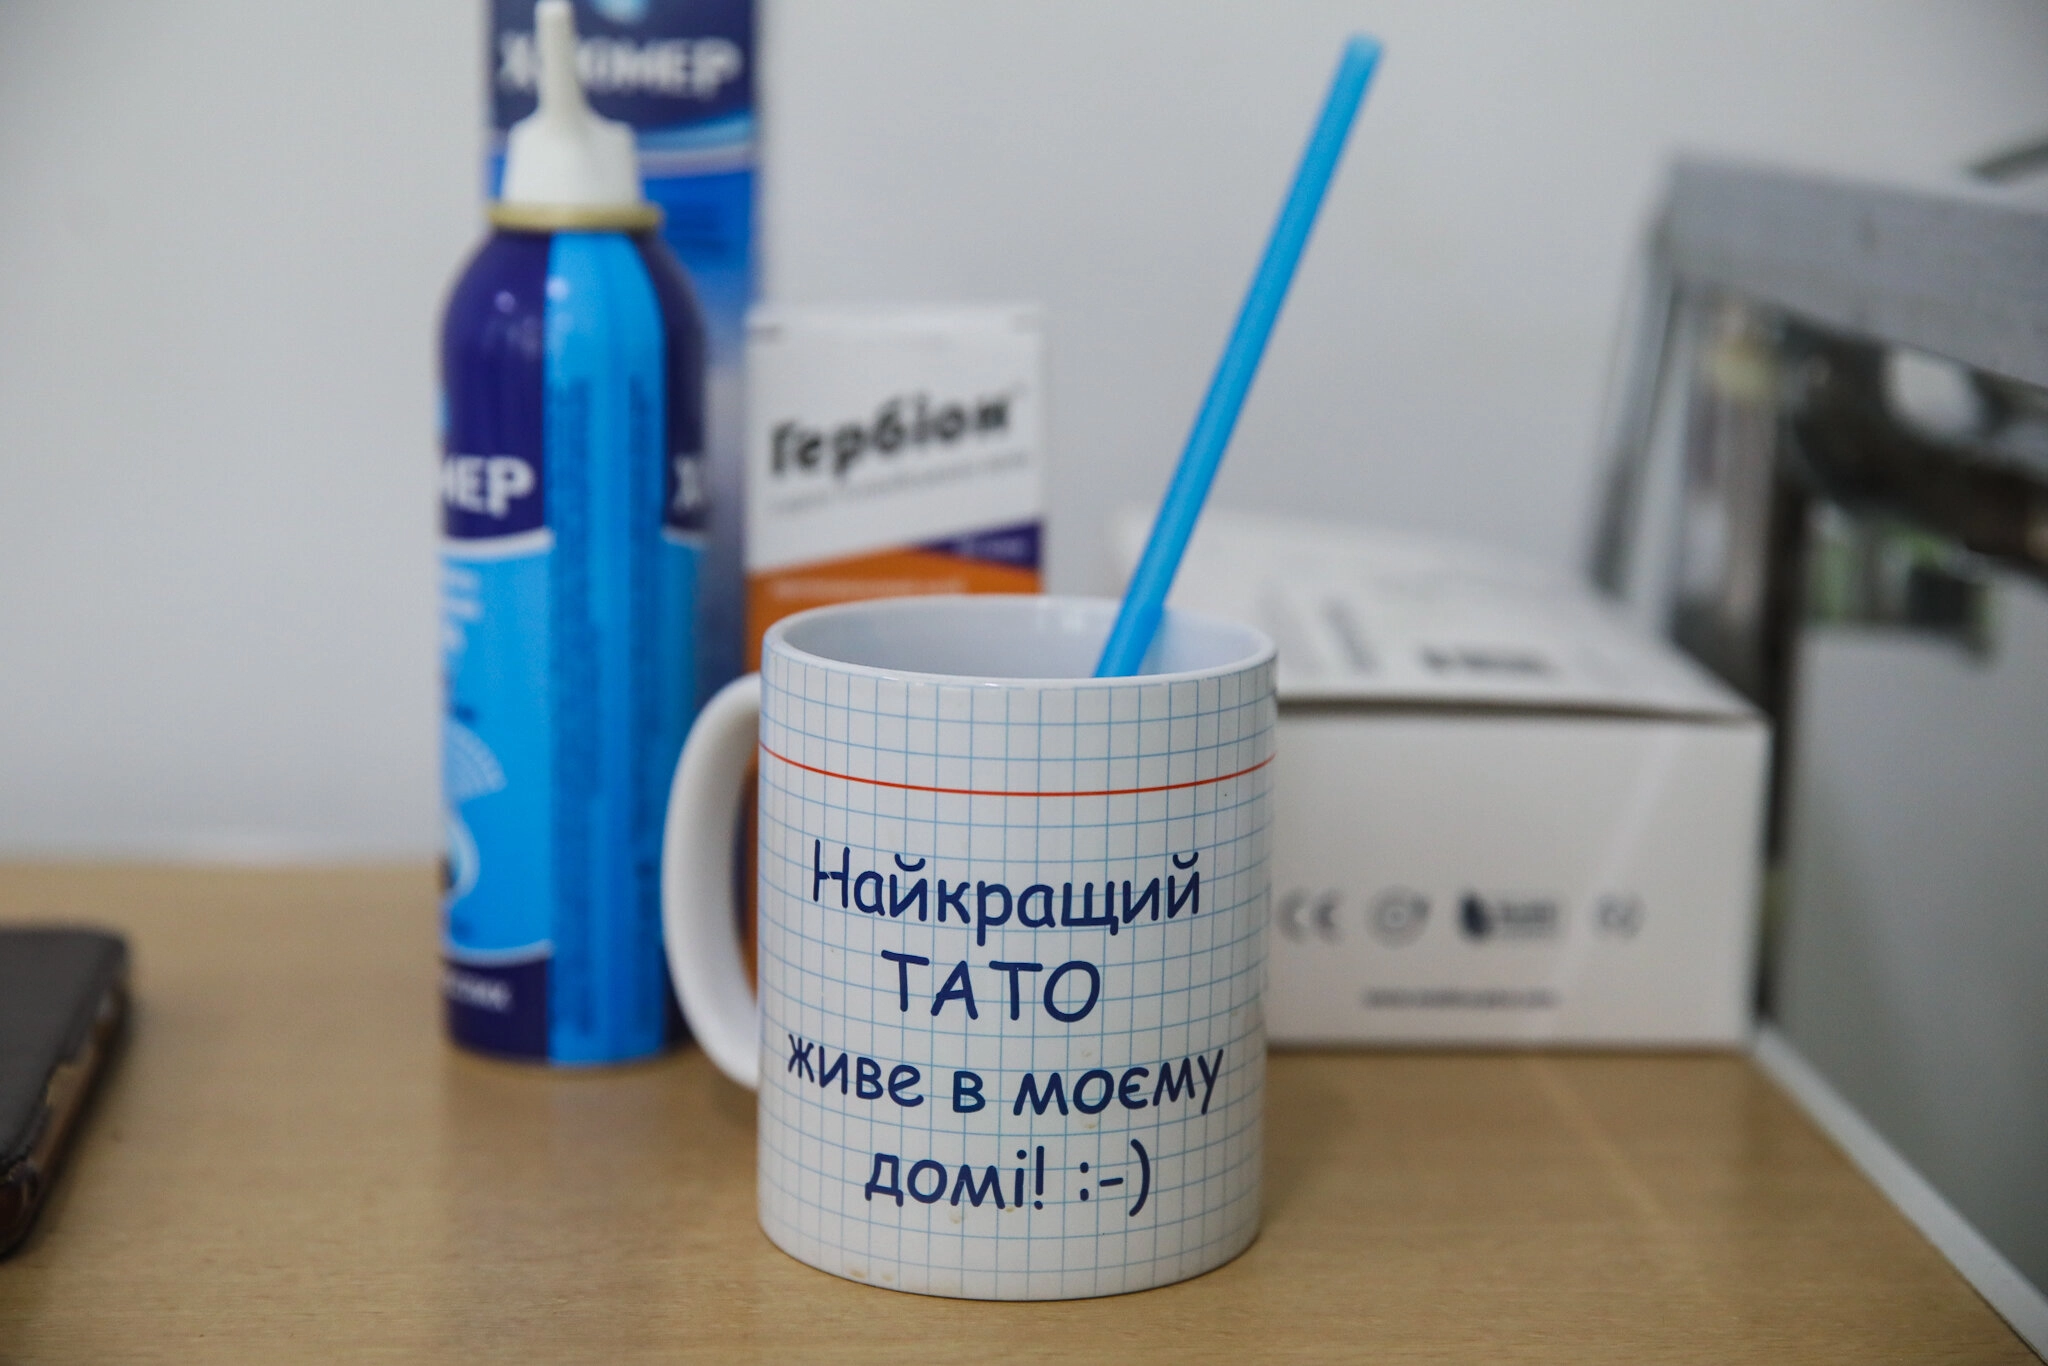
572, 360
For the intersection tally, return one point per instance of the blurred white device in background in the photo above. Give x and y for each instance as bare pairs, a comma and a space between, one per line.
1502, 817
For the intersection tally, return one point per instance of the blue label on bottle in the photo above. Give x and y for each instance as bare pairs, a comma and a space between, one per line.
680, 73
574, 373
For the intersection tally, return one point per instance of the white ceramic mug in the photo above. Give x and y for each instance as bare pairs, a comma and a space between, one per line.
1008, 1040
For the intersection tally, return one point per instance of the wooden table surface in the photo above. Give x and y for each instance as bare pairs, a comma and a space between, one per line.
290, 1164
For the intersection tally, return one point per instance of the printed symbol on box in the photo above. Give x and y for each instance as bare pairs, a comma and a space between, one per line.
1473, 917
1322, 914
1509, 917
1619, 916
1398, 916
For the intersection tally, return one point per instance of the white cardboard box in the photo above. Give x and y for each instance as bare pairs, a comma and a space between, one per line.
1501, 816
891, 451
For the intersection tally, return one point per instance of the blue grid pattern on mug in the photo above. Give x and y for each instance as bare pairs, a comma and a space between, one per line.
1144, 1167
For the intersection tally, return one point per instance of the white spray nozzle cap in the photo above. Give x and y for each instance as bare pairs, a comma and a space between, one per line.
563, 156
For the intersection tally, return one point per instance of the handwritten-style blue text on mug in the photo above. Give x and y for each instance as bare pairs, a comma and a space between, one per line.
1008, 1041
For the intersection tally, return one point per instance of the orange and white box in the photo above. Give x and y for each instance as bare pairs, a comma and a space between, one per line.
891, 452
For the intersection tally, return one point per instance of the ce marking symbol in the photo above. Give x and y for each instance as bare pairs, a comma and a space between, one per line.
1322, 914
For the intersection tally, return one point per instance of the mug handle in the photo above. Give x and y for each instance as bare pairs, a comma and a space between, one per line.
699, 922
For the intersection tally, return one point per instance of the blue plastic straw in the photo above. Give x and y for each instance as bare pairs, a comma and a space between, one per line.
1137, 621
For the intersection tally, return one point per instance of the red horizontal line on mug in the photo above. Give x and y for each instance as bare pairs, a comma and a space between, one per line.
994, 792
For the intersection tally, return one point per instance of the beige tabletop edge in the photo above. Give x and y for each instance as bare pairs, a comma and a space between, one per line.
288, 1163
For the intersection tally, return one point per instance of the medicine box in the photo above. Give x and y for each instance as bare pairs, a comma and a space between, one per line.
1501, 816
891, 451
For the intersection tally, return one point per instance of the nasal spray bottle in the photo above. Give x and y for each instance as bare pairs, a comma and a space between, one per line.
572, 360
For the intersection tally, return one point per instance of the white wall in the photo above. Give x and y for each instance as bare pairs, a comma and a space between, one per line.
225, 228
